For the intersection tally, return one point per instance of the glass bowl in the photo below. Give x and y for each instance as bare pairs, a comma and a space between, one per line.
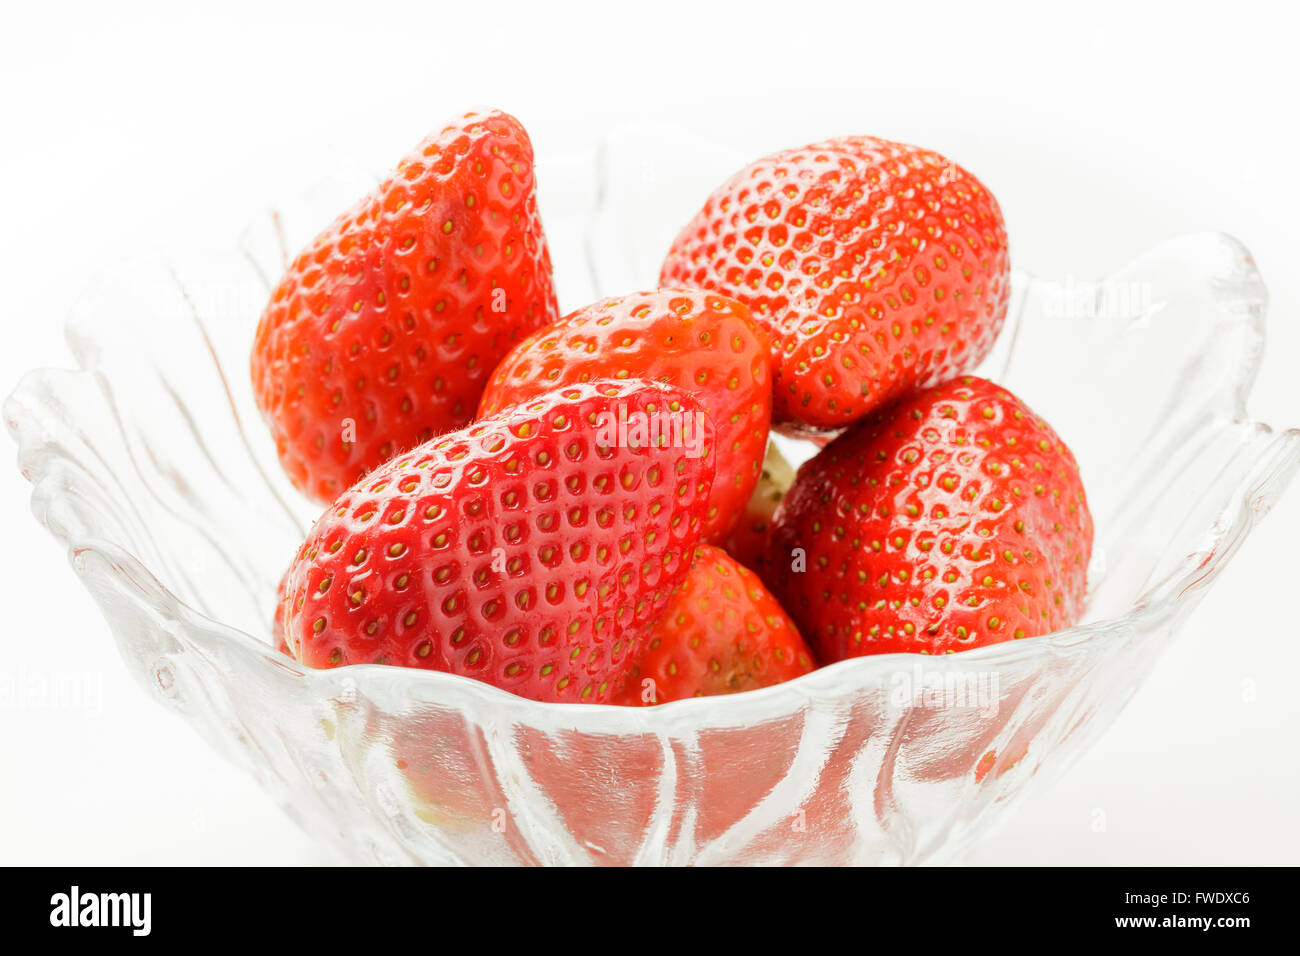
150, 463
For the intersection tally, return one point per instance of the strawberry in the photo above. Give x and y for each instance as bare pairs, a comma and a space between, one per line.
706, 344
386, 327
530, 550
722, 633
878, 268
950, 520
747, 541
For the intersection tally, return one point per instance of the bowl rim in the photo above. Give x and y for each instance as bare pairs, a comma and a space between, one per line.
1269, 473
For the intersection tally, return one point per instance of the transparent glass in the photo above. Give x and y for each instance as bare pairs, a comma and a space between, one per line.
149, 462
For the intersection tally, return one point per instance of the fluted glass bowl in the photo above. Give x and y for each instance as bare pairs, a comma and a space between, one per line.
150, 463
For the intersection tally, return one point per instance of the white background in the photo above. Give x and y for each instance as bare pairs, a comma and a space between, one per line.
1101, 131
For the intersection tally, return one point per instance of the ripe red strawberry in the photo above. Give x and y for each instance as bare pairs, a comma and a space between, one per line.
720, 634
950, 520
530, 550
747, 541
386, 327
878, 267
706, 344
